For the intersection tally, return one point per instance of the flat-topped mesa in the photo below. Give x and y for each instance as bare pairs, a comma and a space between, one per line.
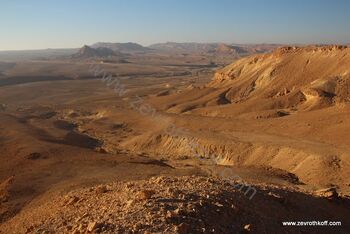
311, 48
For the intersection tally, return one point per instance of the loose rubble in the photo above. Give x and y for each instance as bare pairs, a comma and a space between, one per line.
170, 205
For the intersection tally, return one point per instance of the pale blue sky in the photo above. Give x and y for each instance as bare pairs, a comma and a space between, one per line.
33, 24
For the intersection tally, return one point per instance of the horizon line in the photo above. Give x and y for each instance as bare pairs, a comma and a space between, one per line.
184, 42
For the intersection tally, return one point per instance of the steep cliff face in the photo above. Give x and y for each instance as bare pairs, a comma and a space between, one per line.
249, 149
315, 76
288, 79
302, 60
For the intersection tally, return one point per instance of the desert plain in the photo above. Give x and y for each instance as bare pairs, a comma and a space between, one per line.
175, 138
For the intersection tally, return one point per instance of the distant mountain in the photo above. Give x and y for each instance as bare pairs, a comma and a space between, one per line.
101, 52
107, 49
227, 49
129, 47
255, 48
214, 48
190, 47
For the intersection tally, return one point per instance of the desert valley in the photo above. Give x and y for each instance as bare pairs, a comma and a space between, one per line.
174, 138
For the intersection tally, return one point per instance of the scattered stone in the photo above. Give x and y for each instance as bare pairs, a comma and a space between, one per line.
92, 226
133, 210
101, 189
130, 203
145, 194
81, 217
173, 192
158, 179
248, 227
169, 214
72, 200
177, 211
329, 193
81, 227
173, 214
129, 185
218, 204
277, 197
